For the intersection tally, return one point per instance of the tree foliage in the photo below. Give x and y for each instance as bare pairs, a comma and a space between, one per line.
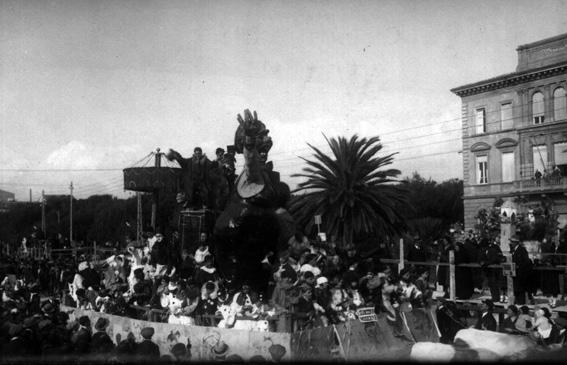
351, 190
433, 207
98, 218
543, 223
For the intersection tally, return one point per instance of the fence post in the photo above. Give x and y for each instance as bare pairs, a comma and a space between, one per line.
510, 280
401, 261
452, 281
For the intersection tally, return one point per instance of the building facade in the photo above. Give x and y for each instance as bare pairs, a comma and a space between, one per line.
6, 196
515, 133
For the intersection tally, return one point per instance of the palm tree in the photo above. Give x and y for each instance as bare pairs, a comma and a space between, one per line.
350, 190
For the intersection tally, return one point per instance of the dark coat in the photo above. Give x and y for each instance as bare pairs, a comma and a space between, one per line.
206, 307
417, 253
101, 343
202, 276
486, 321
82, 341
90, 278
524, 269
449, 323
147, 350
142, 292
491, 255
463, 275
165, 253
186, 268
472, 250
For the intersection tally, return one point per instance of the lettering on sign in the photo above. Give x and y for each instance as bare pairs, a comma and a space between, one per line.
366, 315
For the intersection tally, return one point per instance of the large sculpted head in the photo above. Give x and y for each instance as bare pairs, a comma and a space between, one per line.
252, 136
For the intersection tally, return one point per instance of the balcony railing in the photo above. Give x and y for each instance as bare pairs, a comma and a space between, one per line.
543, 184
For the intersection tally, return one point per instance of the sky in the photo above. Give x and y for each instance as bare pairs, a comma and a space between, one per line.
88, 88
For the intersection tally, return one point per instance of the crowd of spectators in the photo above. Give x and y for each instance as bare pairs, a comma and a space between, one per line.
312, 283
535, 274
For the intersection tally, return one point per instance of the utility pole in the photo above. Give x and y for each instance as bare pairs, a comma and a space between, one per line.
71, 214
43, 213
155, 194
139, 218
30, 196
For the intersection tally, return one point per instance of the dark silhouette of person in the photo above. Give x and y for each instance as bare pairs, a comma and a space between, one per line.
147, 349
101, 343
486, 320
491, 254
82, 338
463, 278
524, 270
449, 321
538, 176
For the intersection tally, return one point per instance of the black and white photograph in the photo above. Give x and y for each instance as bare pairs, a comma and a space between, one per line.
283, 181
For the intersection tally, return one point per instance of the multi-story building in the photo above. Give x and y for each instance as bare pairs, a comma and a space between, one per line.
6, 196
514, 129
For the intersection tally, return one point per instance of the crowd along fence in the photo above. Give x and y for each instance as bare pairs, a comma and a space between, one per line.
552, 262
508, 268
380, 338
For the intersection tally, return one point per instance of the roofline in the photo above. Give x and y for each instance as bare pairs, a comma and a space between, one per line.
510, 78
541, 42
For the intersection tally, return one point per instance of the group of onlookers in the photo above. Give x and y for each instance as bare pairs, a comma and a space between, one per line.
312, 283
46, 332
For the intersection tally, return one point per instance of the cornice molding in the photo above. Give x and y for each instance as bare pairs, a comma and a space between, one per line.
511, 79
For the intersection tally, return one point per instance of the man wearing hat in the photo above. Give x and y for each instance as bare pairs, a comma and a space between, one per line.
322, 296
101, 342
160, 255
195, 177
286, 267
207, 272
219, 351
48, 310
524, 269
82, 338
486, 320
147, 349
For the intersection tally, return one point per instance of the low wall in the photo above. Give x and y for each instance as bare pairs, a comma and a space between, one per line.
203, 341
352, 341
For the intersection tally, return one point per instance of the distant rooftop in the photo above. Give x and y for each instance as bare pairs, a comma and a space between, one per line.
542, 42
544, 58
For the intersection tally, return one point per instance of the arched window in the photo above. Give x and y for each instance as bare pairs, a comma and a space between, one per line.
559, 104
538, 108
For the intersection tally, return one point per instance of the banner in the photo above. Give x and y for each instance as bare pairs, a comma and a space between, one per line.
204, 343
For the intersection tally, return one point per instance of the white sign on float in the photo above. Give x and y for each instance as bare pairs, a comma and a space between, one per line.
366, 315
